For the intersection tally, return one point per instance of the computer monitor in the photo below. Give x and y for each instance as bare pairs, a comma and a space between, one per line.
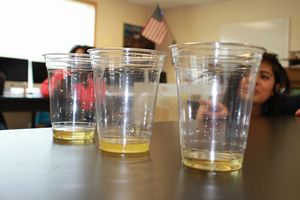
39, 72
14, 69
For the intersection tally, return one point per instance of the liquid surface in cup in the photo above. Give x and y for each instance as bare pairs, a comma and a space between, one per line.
126, 145
215, 161
69, 132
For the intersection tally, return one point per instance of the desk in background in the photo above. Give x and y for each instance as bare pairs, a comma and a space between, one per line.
33, 166
10, 102
23, 102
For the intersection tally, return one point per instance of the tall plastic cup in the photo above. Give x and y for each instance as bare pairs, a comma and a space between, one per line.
72, 98
215, 84
126, 85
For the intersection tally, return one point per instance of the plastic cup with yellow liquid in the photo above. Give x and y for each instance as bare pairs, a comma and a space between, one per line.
216, 83
126, 85
72, 98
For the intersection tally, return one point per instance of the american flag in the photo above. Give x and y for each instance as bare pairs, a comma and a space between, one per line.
156, 28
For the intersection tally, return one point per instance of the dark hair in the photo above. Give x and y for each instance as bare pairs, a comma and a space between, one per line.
279, 72
273, 105
84, 47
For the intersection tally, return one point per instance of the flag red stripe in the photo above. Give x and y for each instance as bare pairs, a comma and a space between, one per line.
161, 29
162, 34
148, 26
155, 30
151, 28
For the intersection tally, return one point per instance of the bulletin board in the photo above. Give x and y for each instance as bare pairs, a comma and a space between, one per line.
270, 34
133, 37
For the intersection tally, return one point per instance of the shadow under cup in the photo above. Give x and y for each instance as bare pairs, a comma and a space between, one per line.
126, 85
72, 98
216, 83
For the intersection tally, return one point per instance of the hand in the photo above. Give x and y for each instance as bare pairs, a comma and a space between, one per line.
213, 110
212, 120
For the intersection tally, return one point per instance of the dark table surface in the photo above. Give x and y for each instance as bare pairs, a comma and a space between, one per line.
33, 166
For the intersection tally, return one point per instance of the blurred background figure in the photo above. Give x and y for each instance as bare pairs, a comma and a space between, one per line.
42, 119
271, 96
76, 49
272, 91
80, 49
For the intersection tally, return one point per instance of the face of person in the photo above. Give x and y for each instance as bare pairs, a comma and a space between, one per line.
79, 50
265, 82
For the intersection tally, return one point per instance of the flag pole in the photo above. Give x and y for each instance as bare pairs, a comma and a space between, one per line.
172, 36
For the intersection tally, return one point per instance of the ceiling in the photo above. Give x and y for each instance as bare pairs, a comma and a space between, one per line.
171, 3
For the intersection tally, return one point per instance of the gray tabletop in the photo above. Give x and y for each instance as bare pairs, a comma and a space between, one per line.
33, 166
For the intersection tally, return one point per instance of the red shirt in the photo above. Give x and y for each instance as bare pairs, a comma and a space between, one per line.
85, 94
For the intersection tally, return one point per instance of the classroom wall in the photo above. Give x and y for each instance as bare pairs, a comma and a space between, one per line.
199, 23
202, 22
111, 16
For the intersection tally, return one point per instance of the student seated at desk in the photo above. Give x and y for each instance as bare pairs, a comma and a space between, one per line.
271, 96
75, 49
42, 118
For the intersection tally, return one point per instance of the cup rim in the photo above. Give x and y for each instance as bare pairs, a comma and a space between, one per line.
127, 50
218, 43
67, 61
53, 55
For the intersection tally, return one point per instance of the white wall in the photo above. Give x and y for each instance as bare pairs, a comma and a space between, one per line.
202, 23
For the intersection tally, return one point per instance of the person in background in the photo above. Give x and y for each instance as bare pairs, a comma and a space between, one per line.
43, 118
76, 49
271, 97
80, 49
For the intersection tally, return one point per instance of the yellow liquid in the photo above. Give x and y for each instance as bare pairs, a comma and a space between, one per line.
74, 133
129, 145
222, 161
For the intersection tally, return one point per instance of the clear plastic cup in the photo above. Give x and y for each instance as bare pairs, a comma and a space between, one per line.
72, 98
126, 85
215, 83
